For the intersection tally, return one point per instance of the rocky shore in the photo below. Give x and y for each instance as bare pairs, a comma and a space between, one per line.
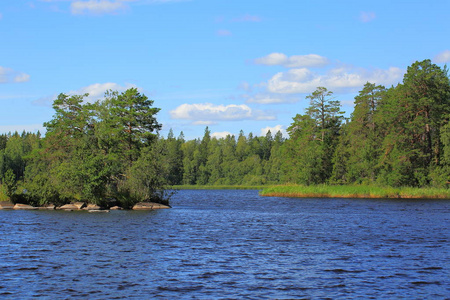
80, 206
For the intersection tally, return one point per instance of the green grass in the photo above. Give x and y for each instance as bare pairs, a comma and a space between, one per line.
216, 187
354, 191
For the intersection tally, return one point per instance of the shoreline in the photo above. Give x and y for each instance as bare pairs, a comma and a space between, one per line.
354, 191
80, 206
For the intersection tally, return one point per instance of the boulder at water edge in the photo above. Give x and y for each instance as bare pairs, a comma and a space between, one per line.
70, 206
80, 205
6, 205
92, 207
24, 206
149, 206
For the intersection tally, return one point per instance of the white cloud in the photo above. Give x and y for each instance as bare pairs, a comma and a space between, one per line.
102, 7
219, 135
443, 57
223, 32
20, 128
304, 81
96, 91
272, 59
294, 61
367, 16
22, 77
208, 113
97, 7
273, 130
310, 60
8, 75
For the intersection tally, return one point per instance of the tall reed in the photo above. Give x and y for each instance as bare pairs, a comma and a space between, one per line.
355, 191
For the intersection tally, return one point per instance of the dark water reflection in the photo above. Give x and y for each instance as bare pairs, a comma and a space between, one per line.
231, 244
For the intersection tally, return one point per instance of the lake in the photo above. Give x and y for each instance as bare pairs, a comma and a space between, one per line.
231, 244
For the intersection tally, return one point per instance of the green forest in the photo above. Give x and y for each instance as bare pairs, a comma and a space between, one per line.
111, 149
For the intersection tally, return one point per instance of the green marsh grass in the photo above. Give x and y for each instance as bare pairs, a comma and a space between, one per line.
354, 191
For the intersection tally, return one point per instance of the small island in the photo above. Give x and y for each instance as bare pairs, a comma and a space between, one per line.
94, 156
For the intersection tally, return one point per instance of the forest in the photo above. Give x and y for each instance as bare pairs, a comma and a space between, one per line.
111, 150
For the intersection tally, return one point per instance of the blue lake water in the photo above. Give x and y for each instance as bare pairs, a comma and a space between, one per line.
234, 244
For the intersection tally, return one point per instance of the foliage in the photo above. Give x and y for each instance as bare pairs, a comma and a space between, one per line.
94, 152
3, 196
9, 180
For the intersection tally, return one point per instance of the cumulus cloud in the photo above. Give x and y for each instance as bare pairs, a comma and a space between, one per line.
102, 7
96, 91
443, 57
97, 7
219, 135
8, 75
22, 77
367, 16
305, 81
208, 113
294, 61
273, 130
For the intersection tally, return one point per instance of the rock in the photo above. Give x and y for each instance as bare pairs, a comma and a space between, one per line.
116, 208
70, 206
92, 207
98, 210
80, 205
6, 205
24, 206
73, 206
149, 206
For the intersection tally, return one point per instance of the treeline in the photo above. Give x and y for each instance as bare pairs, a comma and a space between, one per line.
245, 160
397, 136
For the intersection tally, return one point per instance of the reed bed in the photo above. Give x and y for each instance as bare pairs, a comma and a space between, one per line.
354, 191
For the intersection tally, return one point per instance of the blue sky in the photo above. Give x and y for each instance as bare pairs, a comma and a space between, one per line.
226, 64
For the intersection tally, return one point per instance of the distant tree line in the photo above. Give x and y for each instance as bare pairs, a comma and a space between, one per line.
397, 136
